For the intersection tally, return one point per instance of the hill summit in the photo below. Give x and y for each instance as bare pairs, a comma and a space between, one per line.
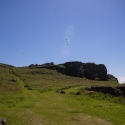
88, 70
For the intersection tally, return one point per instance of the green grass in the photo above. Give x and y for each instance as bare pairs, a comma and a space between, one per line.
28, 96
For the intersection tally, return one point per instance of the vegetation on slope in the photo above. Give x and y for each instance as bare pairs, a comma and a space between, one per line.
31, 96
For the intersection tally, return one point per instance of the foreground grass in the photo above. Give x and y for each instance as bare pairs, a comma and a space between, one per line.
33, 107
38, 102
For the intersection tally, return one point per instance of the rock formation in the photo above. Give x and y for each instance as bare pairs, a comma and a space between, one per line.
115, 91
89, 70
94, 71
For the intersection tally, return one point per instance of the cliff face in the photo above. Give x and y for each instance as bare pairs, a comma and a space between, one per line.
94, 71
89, 70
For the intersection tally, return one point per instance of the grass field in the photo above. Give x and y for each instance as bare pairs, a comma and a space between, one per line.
30, 96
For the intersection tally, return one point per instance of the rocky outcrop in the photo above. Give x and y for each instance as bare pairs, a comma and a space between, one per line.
115, 91
94, 71
89, 70
111, 77
72, 69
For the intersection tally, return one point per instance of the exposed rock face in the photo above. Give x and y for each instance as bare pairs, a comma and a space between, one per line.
115, 91
73, 69
109, 76
89, 70
94, 71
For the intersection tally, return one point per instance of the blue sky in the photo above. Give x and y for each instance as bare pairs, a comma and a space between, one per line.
95, 28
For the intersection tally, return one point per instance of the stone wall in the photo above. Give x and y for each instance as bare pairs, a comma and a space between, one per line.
115, 91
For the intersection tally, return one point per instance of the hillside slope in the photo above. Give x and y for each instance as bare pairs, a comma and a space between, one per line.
88, 70
31, 95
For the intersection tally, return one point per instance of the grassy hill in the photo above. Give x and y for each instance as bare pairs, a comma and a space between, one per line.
30, 96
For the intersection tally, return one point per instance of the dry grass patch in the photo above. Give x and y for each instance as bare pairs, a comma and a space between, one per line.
82, 119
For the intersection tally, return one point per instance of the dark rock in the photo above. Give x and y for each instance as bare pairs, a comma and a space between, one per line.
2, 121
89, 70
72, 69
78, 93
115, 91
13, 80
122, 90
93, 71
111, 77
62, 92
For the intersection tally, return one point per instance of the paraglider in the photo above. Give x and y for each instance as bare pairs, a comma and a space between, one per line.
67, 39
23, 53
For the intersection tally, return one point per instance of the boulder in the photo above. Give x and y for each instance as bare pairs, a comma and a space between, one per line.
2, 121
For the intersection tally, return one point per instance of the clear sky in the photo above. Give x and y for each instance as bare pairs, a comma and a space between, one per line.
35, 31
